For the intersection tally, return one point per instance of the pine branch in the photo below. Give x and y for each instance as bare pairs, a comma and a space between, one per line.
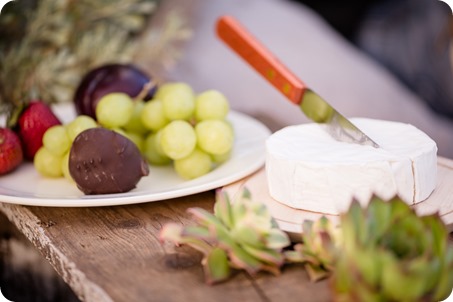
50, 44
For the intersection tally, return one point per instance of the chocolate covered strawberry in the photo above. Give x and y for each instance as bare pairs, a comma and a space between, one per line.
32, 124
11, 154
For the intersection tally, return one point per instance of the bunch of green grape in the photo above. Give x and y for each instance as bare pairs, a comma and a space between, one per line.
177, 127
52, 159
191, 131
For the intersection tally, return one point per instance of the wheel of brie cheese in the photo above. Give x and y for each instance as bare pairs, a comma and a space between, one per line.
307, 169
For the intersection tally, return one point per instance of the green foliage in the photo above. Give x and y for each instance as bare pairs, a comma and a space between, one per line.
389, 253
381, 252
239, 235
48, 45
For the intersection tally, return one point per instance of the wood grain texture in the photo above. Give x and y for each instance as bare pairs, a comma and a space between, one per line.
114, 254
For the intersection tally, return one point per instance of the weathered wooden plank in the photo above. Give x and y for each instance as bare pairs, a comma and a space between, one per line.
36, 231
114, 254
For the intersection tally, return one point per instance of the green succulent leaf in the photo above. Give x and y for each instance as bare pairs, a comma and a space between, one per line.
266, 255
317, 250
379, 218
216, 266
240, 234
246, 194
403, 257
397, 284
239, 211
444, 285
355, 224
196, 232
248, 236
399, 208
368, 263
222, 208
240, 258
315, 272
179, 235
277, 239
295, 255
206, 219
438, 231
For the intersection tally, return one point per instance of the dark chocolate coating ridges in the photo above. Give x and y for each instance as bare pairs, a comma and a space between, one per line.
102, 161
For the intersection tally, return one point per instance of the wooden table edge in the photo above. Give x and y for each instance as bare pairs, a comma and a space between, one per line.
34, 230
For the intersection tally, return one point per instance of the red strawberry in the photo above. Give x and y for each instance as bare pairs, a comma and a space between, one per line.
33, 122
10, 150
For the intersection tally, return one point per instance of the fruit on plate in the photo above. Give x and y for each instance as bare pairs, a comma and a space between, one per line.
153, 152
48, 164
114, 110
51, 160
102, 161
211, 104
105, 79
214, 136
308, 169
79, 124
163, 134
167, 128
33, 122
178, 139
178, 101
11, 155
194, 165
190, 129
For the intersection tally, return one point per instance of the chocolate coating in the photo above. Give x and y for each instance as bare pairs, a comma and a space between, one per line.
102, 161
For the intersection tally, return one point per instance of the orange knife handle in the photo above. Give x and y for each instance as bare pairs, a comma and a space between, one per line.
230, 31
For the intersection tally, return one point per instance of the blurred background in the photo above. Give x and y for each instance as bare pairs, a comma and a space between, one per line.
388, 60
379, 59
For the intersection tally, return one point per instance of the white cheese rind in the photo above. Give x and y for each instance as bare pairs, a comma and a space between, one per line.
307, 169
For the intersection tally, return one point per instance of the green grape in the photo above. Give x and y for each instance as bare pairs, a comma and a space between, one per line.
114, 110
137, 139
214, 136
79, 124
178, 139
211, 105
221, 158
194, 165
65, 167
165, 88
153, 152
135, 123
178, 102
56, 140
119, 131
48, 164
152, 116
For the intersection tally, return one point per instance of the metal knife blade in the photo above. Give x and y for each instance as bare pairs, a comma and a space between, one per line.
230, 31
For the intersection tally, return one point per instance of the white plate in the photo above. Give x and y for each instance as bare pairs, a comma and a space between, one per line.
25, 186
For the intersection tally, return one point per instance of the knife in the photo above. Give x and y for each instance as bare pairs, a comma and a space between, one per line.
230, 31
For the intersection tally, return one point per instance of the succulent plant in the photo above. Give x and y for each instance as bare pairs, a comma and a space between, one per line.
318, 248
389, 253
239, 235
